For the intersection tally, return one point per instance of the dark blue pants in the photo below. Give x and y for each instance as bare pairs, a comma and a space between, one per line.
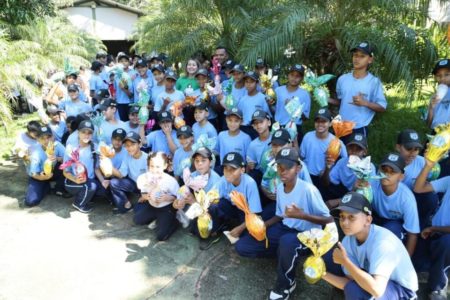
36, 191
353, 291
123, 110
269, 210
165, 217
395, 226
119, 188
224, 212
440, 262
427, 204
83, 192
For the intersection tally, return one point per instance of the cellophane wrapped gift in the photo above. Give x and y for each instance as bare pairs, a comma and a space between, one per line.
48, 164
295, 109
97, 119
266, 83
79, 169
341, 128
320, 91
439, 144
177, 111
200, 210
270, 179
254, 223
364, 171
143, 100
106, 153
319, 241
229, 100
123, 77
189, 97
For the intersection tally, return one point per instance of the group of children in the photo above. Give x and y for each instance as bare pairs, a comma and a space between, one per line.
401, 227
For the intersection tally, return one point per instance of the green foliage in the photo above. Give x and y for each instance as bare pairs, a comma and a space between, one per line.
16, 12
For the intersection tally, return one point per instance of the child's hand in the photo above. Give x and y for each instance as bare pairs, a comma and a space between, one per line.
166, 128
80, 179
427, 232
165, 198
329, 161
359, 100
189, 199
359, 184
178, 204
340, 254
52, 158
237, 231
144, 197
434, 101
268, 194
292, 211
166, 101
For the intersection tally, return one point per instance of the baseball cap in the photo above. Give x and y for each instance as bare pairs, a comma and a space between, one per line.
409, 138
202, 106
260, 62
100, 54
234, 112
185, 131
358, 139
260, 114
133, 110
45, 130
96, 65
141, 63
443, 63
297, 67
121, 55
53, 110
86, 124
238, 68
107, 102
119, 133
102, 93
202, 71
164, 116
395, 161
252, 75
364, 47
323, 113
233, 159
159, 68
288, 156
172, 75
353, 203
281, 137
132, 137
229, 64
72, 87
204, 152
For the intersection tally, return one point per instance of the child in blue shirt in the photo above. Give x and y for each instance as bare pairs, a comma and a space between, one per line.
133, 120
170, 95
286, 93
158, 72
393, 202
238, 90
202, 124
299, 207
184, 152
165, 139
261, 124
203, 96
74, 106
439, 109
96, 82
55, 123
124, 91
39, 182
142, 76
371, 262
249, 103
437, 236
360, 94
108, 106
124, 181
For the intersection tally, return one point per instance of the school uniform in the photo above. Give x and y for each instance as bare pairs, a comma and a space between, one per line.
128, 128
37, 189
441, 112
226, 143
106, 129
130, 169
148, 81
157, 141
122, 98
396, 212
176, 96
207, 129
74, 108
181, 160
212, 114
256, 150
248, 105
97, 83
58, 129
156, 90
164, 213
381, 254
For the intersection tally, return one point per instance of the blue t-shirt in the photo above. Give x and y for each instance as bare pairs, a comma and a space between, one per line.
236, 93
207, 129
176, 96
247, 187
314, 151
38, 157
213, 180
157, 141
118, 158
283, 97
181, 160
107, 129
341, 174
136, 82
441, 112
349, 86
86, 158
96, 83
227, 143
401, 205
306, 197
249, 104
212, 114
442, 216
74, 108
256, 149
127, 127
382, 254
133, 167
412, 171
58, 129
304, 173
156, 90
121, 96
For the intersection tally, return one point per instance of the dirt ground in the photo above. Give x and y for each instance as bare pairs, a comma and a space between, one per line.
54, 252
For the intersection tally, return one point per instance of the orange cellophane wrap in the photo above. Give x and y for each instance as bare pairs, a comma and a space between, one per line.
439, 144
255, 225
106, 150
177, 110
341, 128
190, 100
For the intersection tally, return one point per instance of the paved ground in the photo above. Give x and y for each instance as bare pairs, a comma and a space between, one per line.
54, 252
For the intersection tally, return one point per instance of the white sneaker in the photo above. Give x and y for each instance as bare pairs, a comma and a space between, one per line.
152, 225
182, 218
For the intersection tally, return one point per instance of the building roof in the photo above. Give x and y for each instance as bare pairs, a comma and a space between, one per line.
105, 3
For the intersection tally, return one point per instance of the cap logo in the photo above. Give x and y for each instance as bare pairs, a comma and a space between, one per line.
363, 45
367, 210
164, 114
256, 114
358, 137
277, 134
119, 130
393, 157
259, 60
322, 111
88, 124
228, 62
184, 128
413, 136
443, 62
297, 66
44, 129
130, 134
230, 157
346, 198
285, 152
234, 109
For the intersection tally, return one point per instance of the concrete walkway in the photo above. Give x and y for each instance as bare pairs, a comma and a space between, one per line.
54, 252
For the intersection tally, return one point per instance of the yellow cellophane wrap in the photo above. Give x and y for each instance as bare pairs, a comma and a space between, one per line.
320, 241
204, 221
255, 225
48, 164
204, 224
439, 144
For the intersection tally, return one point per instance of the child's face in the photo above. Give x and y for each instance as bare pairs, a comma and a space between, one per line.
159, 76
202, 164
185, 141
109, 113
261, 126
287, 174
443, 76
125, 62
250, 84
132, 148
70, 79
361, 60
200, 115
134, 118
321, 125
392, 178
260, 70
238, 76
277, 147
191, 67
202, 80
116, 143
142, 70
295, 78
233, 123
408, 154
157, 165
85, 135
352, 224
169, 83
73, 95
55, 118
353, 149
44, 140
233, 175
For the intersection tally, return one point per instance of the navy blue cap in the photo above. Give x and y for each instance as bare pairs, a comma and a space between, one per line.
364, 47
234, 112
252, 75
297, 67
238, 68
233, 159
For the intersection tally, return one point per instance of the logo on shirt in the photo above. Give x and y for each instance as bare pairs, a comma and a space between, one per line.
285, 152
346, 198
358, 137
413, 136
393, 157
230, 157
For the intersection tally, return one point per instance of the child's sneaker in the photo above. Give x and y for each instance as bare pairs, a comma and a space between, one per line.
84, 210
183, 219
152, 225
